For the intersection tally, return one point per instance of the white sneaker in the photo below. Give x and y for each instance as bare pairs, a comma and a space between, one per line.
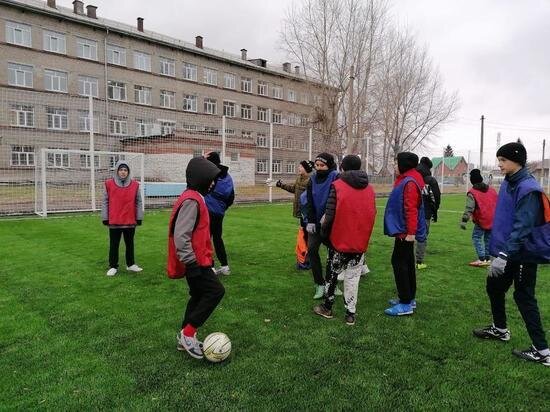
223, 270
112, 272
190, 344
134, 268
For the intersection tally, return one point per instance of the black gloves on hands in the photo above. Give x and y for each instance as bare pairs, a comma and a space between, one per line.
106, 222
279, 183
138, 222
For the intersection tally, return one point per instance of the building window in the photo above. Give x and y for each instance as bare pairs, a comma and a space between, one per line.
305, 98
210, 106
277, 92
22, 115
190, 71
85, 162
291, 96
304, 120
277, 166
261, 166
261, 140
167, 67
262, 114
54, 42
86, 49
116, 55
87, 86
17, 33
57, 118
142, 95
246, 134
55, 81
167, 127
190, 103
317, 100
229, 81
234, 156
168, 99
303, 146
291, 167
58, 159
211, 77
22, 156
19, 75
246, 111
229, 109
142, 61
118, 125
289, 143
144, 127
246, 84
262, 88
292, 119
84, 123
277, 117
116, 90
277, 142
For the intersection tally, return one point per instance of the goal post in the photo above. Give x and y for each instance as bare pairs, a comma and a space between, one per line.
63, 178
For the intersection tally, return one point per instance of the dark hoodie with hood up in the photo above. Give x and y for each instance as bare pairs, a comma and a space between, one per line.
430, 209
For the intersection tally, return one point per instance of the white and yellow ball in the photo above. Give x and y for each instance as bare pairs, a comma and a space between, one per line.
216, 347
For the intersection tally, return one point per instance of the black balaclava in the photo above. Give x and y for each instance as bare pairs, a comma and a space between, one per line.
406, 161
200, 174
475, 176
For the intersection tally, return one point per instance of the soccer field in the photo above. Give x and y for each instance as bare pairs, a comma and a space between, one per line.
72, 338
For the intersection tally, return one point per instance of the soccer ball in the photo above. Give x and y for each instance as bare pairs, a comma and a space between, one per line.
216, 347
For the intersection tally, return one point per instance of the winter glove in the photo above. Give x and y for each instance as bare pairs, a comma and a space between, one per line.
138, 222
279, 183
463, 225
106, 222
497, 267
310, 228
270, 182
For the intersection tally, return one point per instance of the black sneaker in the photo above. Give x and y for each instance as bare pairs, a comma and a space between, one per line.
532, 355
321, 310
350, 319
490, 332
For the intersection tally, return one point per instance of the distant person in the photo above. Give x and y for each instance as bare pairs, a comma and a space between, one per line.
519, 241
431, 197
347, 223
305, 167
122, 211
404, 220
218, 200
190, 253
481, 202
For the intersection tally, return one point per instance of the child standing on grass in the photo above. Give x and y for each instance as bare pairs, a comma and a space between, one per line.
481, 202
404, 220
190, 253
348, 222
520, 239
122, 210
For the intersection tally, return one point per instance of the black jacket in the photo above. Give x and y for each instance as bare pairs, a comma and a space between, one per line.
430, 207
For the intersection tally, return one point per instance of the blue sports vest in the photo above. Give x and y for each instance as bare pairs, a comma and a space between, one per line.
394, 215
320, 193
217, 197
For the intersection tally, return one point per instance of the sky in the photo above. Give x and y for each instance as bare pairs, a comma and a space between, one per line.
493, 52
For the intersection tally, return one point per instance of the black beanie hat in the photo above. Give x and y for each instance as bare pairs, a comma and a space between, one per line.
475, 176
351, 162
307, 165
406, 161
214, 157
327, 159
426, 162
515, 152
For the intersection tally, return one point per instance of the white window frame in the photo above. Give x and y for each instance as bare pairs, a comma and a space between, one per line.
189, 71
229, 108
277, 142
20, 75
88, 86
291, 167
245, 134
84, 121
277, 166
18, 33
116, 55
86, 48
22, 115
58, 160
261, 166
167, 127
85, 162
261, 140
291, 95
246, 84
262, 114
168, 99
144, 127
190, 103
142, 95
57, 118
263, 90
229, 81
277, 92
118, 125
25, 155
276, 117
210, 76
54, 42
56, 80
246, 111
142, 61
116, 90
305, 98
210, 106
167, 67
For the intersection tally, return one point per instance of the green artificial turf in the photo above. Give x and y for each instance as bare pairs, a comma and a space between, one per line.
72, 338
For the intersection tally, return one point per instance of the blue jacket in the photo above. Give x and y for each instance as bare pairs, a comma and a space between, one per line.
518, 213
221, 196
317, 194
394, 215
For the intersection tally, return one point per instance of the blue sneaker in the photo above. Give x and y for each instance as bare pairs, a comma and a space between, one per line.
393, 302
400, 309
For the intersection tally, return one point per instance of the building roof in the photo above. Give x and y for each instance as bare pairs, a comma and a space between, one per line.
451, 162
114, 26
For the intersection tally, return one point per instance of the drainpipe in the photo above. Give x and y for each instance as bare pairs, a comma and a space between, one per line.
106, 85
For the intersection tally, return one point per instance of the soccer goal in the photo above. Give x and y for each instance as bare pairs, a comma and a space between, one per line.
69, 181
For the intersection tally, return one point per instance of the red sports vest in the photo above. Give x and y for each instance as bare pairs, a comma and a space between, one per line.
200, 239
122, 202
486, 203
354, 218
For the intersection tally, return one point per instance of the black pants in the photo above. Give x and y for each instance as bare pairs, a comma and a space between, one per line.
206, 292
524, 278
216, 229
314, 242
114, 242
404, 271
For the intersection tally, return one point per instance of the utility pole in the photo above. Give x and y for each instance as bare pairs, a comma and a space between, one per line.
481, 145
349, 142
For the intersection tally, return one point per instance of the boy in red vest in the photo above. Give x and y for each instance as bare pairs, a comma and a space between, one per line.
190, 253
122, 210
347, 222
481, 202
